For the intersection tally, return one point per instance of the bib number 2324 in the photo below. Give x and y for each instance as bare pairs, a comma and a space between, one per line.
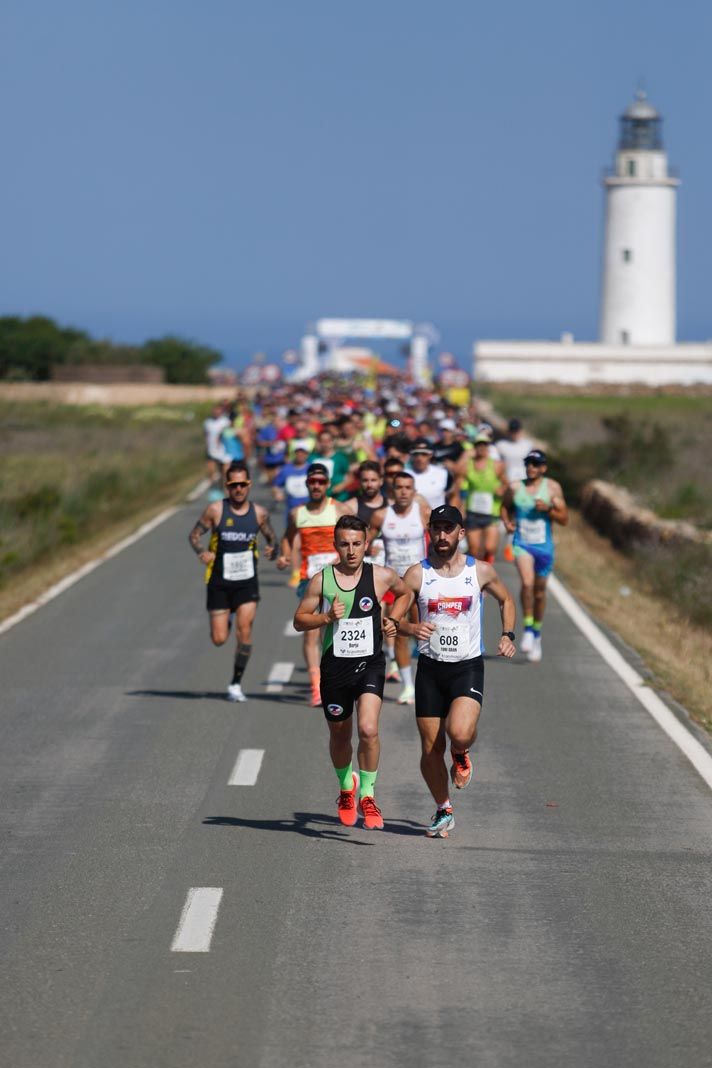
353, 637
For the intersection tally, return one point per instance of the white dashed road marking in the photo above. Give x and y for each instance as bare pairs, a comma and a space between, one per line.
289, 631
280, 673
247, 767
197, 921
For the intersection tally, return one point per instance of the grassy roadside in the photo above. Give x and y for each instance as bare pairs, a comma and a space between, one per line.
76, 480
677, 652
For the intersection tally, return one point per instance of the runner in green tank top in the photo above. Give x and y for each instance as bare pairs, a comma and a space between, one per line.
345, 598
483, 486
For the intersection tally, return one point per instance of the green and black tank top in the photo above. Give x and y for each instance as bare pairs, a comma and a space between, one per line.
357, 635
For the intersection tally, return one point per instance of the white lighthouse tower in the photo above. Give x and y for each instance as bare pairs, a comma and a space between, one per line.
638, 289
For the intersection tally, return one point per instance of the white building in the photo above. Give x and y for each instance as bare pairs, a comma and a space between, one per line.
637, 319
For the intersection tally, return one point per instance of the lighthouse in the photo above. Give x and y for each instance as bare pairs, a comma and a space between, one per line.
638, 286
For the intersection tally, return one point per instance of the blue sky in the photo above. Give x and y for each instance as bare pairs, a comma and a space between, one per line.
232, 170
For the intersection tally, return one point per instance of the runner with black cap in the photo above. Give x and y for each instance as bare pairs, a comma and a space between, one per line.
449, 684
314, 522
529, 508
345, 599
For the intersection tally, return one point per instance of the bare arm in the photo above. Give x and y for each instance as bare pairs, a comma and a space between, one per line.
206, 523
265, 525
508, 510
285, 546
307, 616
558, 509
374, 529
404, 599
412, 581
490, 580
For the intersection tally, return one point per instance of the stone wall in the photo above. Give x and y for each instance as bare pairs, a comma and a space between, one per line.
613, 512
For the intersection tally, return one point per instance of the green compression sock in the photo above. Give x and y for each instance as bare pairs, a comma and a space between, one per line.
529, 622
345, 776
536, 626
368, 783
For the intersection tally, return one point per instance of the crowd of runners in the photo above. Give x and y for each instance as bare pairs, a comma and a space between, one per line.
392, 506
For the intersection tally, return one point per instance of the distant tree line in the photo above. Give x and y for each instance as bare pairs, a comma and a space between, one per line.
29, 347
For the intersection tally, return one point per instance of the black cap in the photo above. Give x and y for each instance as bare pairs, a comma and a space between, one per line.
421, 445
536, 456
514, 425
446, 513
317, 469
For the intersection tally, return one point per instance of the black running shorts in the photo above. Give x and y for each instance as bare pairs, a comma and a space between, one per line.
338, 694
438, 683
223, 599
479, 521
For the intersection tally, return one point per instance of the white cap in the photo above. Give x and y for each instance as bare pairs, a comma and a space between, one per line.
301, 443
448, 424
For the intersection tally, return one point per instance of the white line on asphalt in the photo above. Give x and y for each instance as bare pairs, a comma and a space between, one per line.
289, 631
197, 920
280, 673
683, 739
247, 767
86, 569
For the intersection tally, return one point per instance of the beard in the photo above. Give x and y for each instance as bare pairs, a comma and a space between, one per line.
446, 553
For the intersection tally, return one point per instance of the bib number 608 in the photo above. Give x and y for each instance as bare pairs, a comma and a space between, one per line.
449, 641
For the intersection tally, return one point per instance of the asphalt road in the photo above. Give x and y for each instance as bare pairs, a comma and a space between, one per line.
566, 921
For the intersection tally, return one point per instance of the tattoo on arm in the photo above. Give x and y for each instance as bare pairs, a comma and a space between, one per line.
196, 534
268, 531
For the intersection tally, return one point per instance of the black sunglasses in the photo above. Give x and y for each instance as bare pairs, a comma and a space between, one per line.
317, 481
236, 485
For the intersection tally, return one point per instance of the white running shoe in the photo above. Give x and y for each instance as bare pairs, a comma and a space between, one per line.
527, 643
535, 654
407, 696
393, 674
234, 692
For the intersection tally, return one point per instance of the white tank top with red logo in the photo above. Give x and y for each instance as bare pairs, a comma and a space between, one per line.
404, 538
454, 605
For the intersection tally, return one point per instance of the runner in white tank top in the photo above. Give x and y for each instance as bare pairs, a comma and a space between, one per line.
453, 604
402, 529
449, 686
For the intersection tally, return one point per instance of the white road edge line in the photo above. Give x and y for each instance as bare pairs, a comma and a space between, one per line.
197, 920
280, 673
289, 631
86, 569
683, 739
247, 767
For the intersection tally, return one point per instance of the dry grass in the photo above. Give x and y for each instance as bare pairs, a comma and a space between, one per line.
678, 653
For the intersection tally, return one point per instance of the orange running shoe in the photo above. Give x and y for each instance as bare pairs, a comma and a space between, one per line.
508, 554
346, 804
372, 818
461, 770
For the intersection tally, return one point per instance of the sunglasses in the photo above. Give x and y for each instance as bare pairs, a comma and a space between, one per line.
237, 485
317, 481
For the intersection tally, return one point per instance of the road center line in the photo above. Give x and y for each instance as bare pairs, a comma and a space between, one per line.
683, 738
280, 673
247, 767
197, 921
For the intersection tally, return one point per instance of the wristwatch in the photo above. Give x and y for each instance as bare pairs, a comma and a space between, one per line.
508, 634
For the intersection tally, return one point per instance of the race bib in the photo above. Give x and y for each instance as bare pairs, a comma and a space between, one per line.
353, 637
533, 531
296, 486
481, 502
238, 567
401, 555
449, 641
318, 561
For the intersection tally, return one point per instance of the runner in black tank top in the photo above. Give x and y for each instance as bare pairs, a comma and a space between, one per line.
231, 565
345, 599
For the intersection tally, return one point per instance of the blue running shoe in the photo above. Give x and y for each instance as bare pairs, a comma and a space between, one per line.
442, 823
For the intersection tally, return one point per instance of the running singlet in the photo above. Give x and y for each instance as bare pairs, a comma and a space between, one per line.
480, 485
454, 605
234, 542
533, 527
357, 635
404, 537
316, 530
432, 484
